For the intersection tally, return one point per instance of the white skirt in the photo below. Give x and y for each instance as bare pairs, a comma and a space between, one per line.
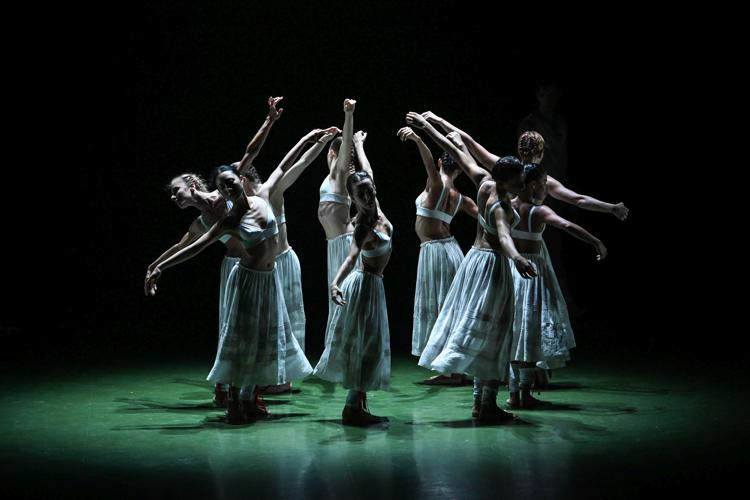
541, 329
226, 268
438, 262
338, 249
290, 276
474, 329
256, 344
357, 351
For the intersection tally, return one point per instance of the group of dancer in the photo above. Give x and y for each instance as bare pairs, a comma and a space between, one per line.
495, 315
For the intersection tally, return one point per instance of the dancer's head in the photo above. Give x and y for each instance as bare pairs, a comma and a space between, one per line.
448, 165
535, 187
334, 150
531, 147
250, 178
508, 174
229, 182
183, 187
361, 189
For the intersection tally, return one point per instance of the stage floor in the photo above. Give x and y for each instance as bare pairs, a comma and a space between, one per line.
616, 429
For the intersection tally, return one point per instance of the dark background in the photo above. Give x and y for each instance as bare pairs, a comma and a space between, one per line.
149, 92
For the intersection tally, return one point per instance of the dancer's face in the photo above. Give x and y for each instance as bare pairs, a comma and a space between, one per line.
230, 186
181, 194
364, 194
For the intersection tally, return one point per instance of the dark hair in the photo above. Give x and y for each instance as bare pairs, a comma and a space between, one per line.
533, 172
530, 145
335, 145
190, 178
251, 174
506, 168
448, 163
223, 168
354, 178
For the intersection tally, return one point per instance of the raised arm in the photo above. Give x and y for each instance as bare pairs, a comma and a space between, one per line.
359, 149
253, 148
485, 158
291, 174
273, 180
341, 168
467, 164
524, 266
360, 235
185, 254
548, 216
434, 182
560, 192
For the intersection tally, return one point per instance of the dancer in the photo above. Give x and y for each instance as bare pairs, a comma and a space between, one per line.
334, 205
439, 252
474, 329
256, 345
272, 191
357, 352
541, 330
189, 190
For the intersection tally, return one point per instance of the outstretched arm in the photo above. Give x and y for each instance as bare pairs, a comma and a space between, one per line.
291, 174
253, 148
560, 192
484, 157
360, 235
548, 216
524, 265
434, 182
467, 164
194, 232
185, 254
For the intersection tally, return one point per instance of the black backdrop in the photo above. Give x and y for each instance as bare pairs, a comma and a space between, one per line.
149, 92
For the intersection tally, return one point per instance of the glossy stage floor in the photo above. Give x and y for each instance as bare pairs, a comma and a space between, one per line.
616, 429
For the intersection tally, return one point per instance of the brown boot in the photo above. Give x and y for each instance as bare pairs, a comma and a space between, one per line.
234, 414
475, 407
360, 415
529, 402
255, 408
220, 397
514, 401
489, 413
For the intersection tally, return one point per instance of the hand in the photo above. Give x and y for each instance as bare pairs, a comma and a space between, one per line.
525, 267
359, 137
406, 133
349, 105
150, 284
430, 116
415, 119
620, 211
455, 138
601, 251
337, 296
327, 134
273, 113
